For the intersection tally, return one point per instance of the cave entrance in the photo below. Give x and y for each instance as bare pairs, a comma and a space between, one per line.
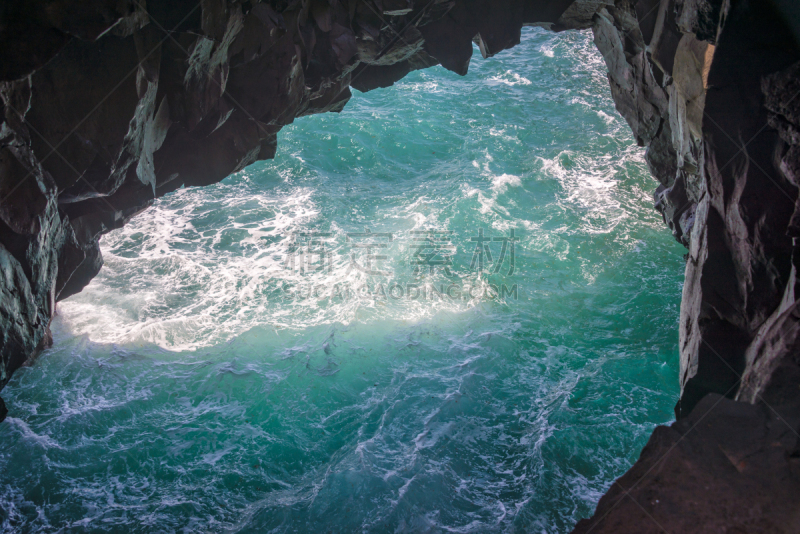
455, 311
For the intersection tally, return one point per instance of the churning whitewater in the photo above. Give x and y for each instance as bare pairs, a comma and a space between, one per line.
450, 308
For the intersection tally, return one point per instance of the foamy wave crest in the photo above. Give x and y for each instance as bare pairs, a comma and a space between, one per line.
511, 79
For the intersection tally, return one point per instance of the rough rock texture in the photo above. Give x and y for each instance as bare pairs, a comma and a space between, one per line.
729, 467
740, 278
108, 104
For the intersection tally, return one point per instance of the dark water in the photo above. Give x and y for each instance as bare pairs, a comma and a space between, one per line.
201, 385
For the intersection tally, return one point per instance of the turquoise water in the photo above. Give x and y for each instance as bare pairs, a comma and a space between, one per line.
202, 384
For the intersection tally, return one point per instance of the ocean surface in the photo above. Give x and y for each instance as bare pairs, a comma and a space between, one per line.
450, 308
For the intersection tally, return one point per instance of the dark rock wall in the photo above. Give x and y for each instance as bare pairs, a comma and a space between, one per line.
729, 467
740, 277
109, 104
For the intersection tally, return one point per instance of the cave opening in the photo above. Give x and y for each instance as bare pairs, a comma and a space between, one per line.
450, 308
460, 312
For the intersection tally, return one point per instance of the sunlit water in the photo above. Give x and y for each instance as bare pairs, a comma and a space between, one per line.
199, 384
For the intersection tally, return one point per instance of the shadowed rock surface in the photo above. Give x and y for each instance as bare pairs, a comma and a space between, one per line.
728, 467
108, 105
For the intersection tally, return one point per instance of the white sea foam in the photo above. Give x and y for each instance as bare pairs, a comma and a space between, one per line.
427, 87
200, 284
510, 78
590, 186
504, 181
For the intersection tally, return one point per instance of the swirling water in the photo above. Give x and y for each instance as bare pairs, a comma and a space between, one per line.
200, 384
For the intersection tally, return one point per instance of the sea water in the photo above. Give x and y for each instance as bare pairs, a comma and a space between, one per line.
336, 341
